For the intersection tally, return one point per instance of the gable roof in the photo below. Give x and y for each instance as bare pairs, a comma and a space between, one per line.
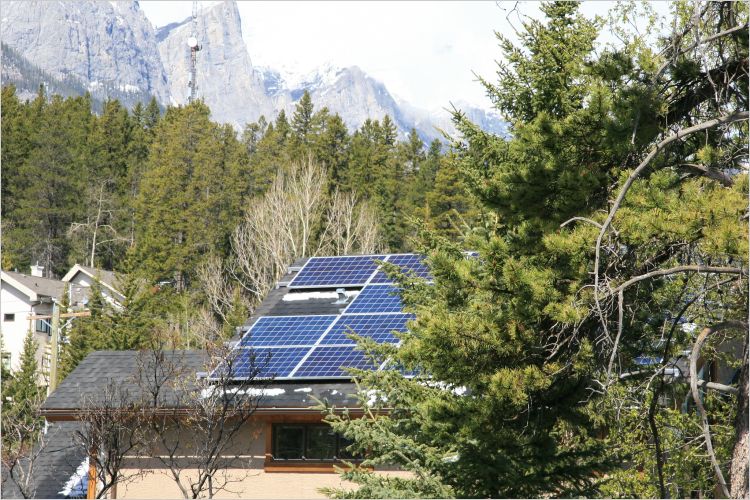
106, 278
34, 287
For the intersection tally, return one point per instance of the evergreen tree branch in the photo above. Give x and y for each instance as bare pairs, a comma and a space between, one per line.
680, 134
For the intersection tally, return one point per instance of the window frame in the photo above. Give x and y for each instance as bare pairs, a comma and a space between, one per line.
340, 444
43, 326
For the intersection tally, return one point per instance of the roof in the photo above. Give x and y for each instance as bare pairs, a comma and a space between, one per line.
106, 278
283, 301
54, 466
34, 287
100, 368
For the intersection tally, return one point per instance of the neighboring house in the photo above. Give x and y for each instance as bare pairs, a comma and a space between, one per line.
84, 277
301, 328
22, 296
25, 295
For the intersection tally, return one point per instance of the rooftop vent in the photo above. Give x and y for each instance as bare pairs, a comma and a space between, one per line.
343, 299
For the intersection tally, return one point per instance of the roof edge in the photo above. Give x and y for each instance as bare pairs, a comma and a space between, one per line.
31, 294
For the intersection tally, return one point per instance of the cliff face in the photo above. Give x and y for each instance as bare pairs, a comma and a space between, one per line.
225, 77
109, 46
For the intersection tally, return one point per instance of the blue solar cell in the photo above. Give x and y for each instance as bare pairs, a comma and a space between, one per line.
408, 262
336, 271
328, 361
376, 326
286, 330
376, 298
262, 362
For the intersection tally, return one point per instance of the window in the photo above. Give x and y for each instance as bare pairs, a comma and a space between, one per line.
43, 326
5, 360
314, 442
9, 317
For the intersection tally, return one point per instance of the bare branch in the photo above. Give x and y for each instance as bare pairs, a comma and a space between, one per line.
694, 355
724, 179
679, 269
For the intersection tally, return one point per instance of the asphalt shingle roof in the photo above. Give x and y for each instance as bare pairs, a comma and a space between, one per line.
54, 466
41, 286
101, 368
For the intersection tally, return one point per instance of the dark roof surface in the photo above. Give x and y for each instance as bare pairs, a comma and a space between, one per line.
54, 466
277, 302
101, 368
41, 286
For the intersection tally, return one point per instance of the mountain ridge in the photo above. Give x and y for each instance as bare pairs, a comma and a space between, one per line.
236, 91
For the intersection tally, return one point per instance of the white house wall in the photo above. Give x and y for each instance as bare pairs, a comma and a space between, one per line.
14, 302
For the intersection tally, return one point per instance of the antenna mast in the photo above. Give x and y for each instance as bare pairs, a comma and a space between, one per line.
192, 42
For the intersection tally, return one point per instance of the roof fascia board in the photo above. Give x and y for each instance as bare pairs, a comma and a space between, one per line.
78, 269
31, 294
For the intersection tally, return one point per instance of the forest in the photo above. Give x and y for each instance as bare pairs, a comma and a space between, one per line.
611, 226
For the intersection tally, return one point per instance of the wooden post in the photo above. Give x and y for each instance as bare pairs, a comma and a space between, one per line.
54, 348
91, 489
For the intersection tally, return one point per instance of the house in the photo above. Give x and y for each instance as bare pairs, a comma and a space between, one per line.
21, 297
84, 277
300, 331
25, 296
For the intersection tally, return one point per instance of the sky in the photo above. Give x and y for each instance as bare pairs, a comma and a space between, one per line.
424, 52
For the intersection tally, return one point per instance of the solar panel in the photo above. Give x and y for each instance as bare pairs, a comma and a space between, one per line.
376, 326
327, 361
336, 271
262, 362
376, 298
286, 330
408, 262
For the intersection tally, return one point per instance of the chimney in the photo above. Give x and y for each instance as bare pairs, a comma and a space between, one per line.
37, 270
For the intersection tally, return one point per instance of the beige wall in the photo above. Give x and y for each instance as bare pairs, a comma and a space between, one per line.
245, 479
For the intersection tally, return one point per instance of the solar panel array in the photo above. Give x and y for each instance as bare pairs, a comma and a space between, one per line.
359, 270
376, 298
318, 346
308, 346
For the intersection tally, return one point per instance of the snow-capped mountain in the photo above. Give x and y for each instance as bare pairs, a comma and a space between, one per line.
114, 51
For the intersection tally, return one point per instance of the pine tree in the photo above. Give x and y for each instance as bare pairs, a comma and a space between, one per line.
50, 181
189, 199
89, 333
522, 376
302, 118
25, 383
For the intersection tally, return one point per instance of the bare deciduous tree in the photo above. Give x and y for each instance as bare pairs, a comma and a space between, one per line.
296, 218
23, 443
112, 429
198, 425
98, 229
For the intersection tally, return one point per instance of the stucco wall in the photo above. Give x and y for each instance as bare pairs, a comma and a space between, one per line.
14, 302
245, 479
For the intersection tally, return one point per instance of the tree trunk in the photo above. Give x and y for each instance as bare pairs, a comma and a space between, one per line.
739, 466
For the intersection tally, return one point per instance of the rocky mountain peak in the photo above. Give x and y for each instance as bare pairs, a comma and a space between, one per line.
109, 46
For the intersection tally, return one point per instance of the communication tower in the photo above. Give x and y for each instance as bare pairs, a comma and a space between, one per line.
192, 42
